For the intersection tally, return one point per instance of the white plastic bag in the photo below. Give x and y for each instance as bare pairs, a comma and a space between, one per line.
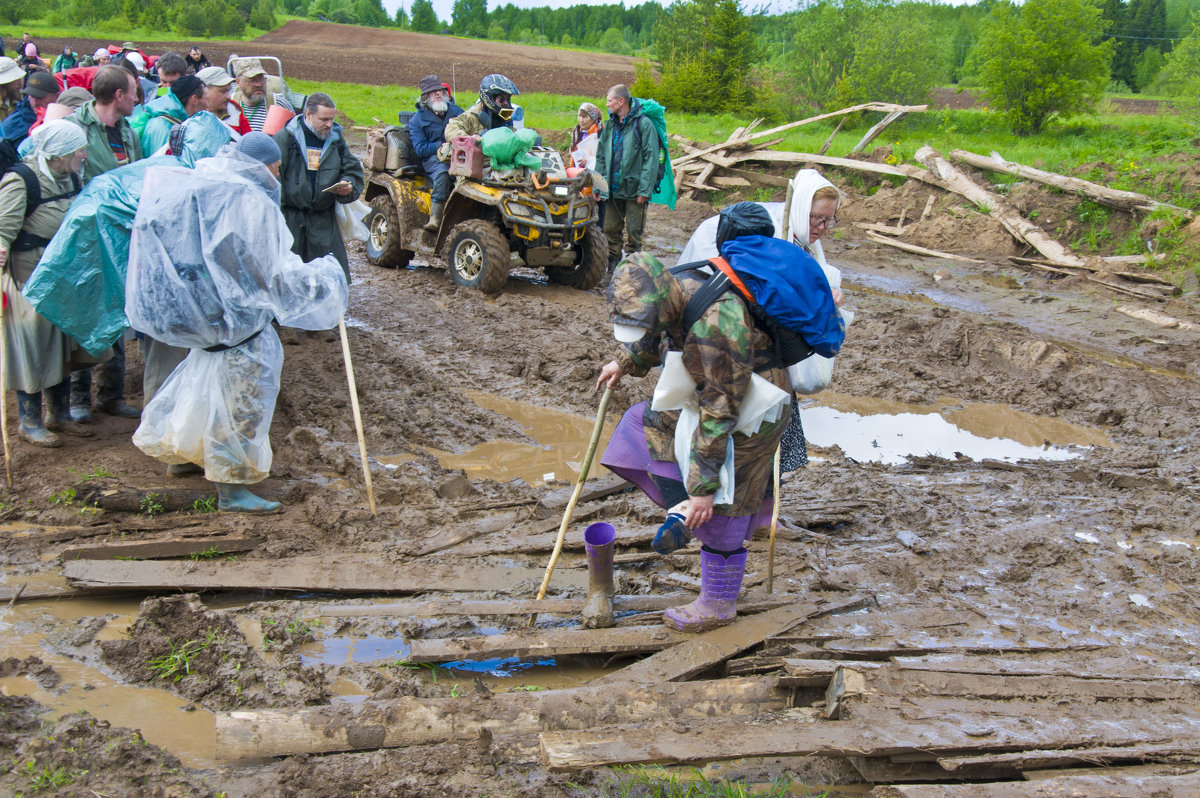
350, 217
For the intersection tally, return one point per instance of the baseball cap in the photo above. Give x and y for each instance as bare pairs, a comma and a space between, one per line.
74, 96
214, 76
249, 68
40, 84
137, 61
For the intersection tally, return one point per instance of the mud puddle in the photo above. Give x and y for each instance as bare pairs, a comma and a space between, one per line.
889, 432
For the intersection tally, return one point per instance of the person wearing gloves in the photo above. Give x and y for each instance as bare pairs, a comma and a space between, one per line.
210, 266
426, 129
706, 443
40, 356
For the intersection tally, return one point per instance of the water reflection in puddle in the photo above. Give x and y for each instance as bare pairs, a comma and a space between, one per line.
888, 432
346, 650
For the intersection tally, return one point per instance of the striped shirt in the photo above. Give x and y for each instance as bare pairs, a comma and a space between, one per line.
256, 115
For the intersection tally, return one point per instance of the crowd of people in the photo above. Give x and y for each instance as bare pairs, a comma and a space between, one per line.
141, 196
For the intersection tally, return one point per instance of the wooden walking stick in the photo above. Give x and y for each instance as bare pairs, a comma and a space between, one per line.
4, 391
583, 475
787, 215
358, 425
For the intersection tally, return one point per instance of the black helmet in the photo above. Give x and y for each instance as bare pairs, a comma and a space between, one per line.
743, 219
491, 88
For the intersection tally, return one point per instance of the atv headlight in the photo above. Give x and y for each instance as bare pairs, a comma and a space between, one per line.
582, 211
517, 209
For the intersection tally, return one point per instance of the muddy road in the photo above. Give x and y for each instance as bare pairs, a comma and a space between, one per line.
1002, 457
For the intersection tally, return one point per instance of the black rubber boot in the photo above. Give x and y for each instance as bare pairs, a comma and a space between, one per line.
29, 408
59, 418
435, 216
81, 396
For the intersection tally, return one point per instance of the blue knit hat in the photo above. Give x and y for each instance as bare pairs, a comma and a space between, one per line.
260, 147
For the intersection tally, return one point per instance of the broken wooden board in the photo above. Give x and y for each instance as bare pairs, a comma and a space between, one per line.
1095, 666
335, 574
1155, 318
881, 770
164, 549
926, 730
702, 651
437, 607
1034, 760
875, 130
1111, 784
546, 643
555, 502
423, 721
541, 539
462, 532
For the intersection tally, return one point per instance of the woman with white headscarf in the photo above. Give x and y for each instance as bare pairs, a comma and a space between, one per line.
34, 197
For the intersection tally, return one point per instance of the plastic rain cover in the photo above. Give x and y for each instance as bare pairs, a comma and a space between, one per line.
210, 263
79, 283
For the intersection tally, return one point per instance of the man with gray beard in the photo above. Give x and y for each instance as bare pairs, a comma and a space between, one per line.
426, 130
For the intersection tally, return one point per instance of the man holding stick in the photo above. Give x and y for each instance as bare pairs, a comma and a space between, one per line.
210, 266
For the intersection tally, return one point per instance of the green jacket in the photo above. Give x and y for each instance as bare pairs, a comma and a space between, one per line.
100, 158
638, 168
308, 208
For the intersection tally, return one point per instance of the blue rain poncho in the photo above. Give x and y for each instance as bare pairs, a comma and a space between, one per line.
79, 284
210, 265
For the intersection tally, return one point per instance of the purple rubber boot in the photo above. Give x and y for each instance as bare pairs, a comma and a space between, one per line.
598, 543
720, 584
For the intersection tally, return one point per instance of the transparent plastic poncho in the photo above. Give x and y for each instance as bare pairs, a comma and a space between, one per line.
210, 265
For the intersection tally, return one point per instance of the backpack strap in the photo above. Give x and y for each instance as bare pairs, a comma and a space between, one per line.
26, 241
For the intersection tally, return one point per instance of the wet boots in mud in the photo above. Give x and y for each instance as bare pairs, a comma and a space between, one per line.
237, 499
29, 408
720, 583
598, 544
435, 216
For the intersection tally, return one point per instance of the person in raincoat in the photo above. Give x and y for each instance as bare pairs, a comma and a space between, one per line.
40, 355
705, 445
210, 266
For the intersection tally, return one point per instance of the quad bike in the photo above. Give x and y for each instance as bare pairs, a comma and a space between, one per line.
544, 216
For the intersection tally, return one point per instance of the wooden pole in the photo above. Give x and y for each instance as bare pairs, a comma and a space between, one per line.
358, 425
597, 428
774, 526
4, 392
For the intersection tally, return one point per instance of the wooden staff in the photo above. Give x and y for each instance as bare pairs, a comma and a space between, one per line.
583, 475
787, 215
3, 391
358, 425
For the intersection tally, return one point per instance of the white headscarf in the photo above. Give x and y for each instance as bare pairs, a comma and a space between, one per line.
804, 185
55, 140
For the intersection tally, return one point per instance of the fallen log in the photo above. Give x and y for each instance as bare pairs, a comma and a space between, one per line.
211, 548
1022, 229
336, 574
917, 250
920, 729
416, 721
702, 651
141, 501
1110, 785
1113, 198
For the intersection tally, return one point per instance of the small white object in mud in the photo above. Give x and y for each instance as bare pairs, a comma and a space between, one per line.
940, 275
1087, 537
1125, 544
1183, 543
1139, 600
548, 477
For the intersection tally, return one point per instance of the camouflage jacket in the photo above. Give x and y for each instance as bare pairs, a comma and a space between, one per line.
721, 352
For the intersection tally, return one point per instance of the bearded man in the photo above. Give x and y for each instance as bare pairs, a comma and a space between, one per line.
426, 130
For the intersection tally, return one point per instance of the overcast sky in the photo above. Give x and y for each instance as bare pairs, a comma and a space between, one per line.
443, 7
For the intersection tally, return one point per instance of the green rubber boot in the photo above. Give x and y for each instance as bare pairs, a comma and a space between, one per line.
237, 499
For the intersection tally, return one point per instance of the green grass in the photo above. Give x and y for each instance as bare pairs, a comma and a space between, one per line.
637, 781
119, 32
178, 663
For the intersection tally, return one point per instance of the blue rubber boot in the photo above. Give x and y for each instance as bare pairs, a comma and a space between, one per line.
29, 408
672, 535
237, 499
720, 584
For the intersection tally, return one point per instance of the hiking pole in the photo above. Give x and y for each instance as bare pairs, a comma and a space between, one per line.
774, 526
787, 210
3, 392
583, 475
358, 425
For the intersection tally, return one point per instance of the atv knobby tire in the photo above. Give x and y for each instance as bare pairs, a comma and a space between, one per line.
478, 256
383, 239
591, 261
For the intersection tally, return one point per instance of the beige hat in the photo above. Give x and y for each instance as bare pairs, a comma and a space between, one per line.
249, 68
9, 71
57, 111
214, 76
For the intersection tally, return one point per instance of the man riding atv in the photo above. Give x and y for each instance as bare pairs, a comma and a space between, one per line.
493, 110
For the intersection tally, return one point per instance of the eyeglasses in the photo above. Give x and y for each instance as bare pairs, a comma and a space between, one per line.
828, 222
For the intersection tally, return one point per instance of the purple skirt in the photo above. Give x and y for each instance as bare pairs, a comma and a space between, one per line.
628, 456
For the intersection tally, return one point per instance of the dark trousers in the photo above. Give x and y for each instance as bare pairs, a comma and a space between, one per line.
621, 217
110, 380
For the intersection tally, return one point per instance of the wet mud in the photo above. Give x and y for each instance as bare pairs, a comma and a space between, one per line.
1078, 531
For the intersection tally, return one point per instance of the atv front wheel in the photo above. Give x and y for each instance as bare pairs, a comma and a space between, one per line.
591, 261
478, 256
383, 239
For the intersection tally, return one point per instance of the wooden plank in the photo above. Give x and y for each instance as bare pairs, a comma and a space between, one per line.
932, 253
423, 721
1113, 198
729, 182
1021, 228
1092, 667
554, 502
547, 643
1126, 770
162, 549
702, 651
437, 607
759, 177
875, 130
466, 530
335, 574
886, 229
1032, 760
881, 770
788, 733
1155, 318
1109, 785
825, 147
